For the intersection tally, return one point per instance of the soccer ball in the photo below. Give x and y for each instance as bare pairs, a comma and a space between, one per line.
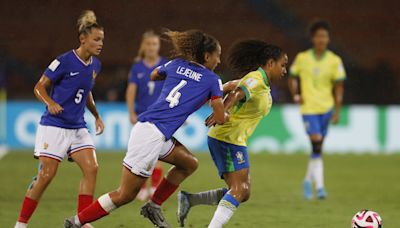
366, 219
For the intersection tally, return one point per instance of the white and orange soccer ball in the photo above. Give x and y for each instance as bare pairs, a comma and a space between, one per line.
366, 219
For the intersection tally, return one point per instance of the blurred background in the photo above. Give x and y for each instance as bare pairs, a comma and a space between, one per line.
365, 34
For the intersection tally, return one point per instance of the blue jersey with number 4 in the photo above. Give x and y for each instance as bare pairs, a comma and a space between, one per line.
186, 88
147, 90
72, 81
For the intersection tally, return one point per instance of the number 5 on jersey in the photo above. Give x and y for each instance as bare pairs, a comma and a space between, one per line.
174, 96
79, 96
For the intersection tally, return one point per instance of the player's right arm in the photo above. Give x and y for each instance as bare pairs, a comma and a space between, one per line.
294, 81
160, 73
130, 95
40, 92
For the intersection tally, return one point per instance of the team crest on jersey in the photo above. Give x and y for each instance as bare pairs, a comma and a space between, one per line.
45, 146
94, 75
240, 157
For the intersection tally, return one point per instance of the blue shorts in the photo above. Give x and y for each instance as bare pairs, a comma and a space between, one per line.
228, 157
317, 124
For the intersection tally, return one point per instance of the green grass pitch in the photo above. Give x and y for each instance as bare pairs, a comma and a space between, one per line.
353, 183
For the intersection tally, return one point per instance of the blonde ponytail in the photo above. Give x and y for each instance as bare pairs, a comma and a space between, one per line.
87, 21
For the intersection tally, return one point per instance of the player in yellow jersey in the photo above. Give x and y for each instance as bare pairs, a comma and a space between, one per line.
320, 73
248, 102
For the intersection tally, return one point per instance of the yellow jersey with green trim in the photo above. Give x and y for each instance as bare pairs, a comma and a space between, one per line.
317, 79
245, 115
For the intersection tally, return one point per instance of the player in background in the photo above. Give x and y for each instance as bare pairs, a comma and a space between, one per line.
316, 83
189, 83
62, 129
257, 62
143, 92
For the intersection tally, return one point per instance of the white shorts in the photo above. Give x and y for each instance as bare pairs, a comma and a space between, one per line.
146, 145
56, 142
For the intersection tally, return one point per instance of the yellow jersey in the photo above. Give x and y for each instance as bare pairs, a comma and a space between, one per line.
245, 115
317, 79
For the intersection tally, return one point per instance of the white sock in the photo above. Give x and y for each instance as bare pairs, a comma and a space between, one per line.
222, 215
319, 173
310, 170
21, 225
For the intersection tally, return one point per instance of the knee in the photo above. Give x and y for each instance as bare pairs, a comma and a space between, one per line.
241, 192
91, 170
191, 165
46, 175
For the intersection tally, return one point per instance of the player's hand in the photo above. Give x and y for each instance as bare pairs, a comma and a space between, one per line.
54, 108
298, 99
335, 118
133, 117
99, 126
210, 120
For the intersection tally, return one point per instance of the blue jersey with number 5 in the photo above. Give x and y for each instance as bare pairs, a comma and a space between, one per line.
186, 88
147, 90
72, 80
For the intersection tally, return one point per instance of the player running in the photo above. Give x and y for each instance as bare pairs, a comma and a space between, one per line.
62, 130
143, 92
247, 104
320, 73
189, 83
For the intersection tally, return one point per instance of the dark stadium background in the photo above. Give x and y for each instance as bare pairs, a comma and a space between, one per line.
364, 32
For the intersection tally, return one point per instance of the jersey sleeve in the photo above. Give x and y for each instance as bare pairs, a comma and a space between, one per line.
133, 76
295, 67
249, 85
162, 70
56, 70
340, 72
216, 89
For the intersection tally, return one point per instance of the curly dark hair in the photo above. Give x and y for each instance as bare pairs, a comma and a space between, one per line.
191, 44
248, 55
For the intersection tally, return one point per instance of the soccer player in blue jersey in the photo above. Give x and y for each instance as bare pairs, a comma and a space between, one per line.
62, 130
143, 92
189, 83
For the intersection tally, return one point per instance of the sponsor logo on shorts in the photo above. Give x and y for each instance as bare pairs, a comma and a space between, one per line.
45, 146
240, 157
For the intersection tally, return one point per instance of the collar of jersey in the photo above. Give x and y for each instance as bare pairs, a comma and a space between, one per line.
83, 62
264, 75
314, 54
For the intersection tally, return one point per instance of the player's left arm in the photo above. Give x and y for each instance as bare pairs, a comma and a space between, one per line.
230, 86
232, 99
91, 105
338, 90
338, 96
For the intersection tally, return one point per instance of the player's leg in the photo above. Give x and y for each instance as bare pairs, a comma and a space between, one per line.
46, 172
138, 164
319, 166
83, 153
313, 129
87, 162
51, 145
184, 164
125, 193
156, 177
239, 192
235, 171
187, 200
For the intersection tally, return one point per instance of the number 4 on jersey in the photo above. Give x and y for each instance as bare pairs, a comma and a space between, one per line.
174, 95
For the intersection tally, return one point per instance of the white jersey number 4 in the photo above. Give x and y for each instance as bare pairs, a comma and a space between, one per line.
174, 95
79, 96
